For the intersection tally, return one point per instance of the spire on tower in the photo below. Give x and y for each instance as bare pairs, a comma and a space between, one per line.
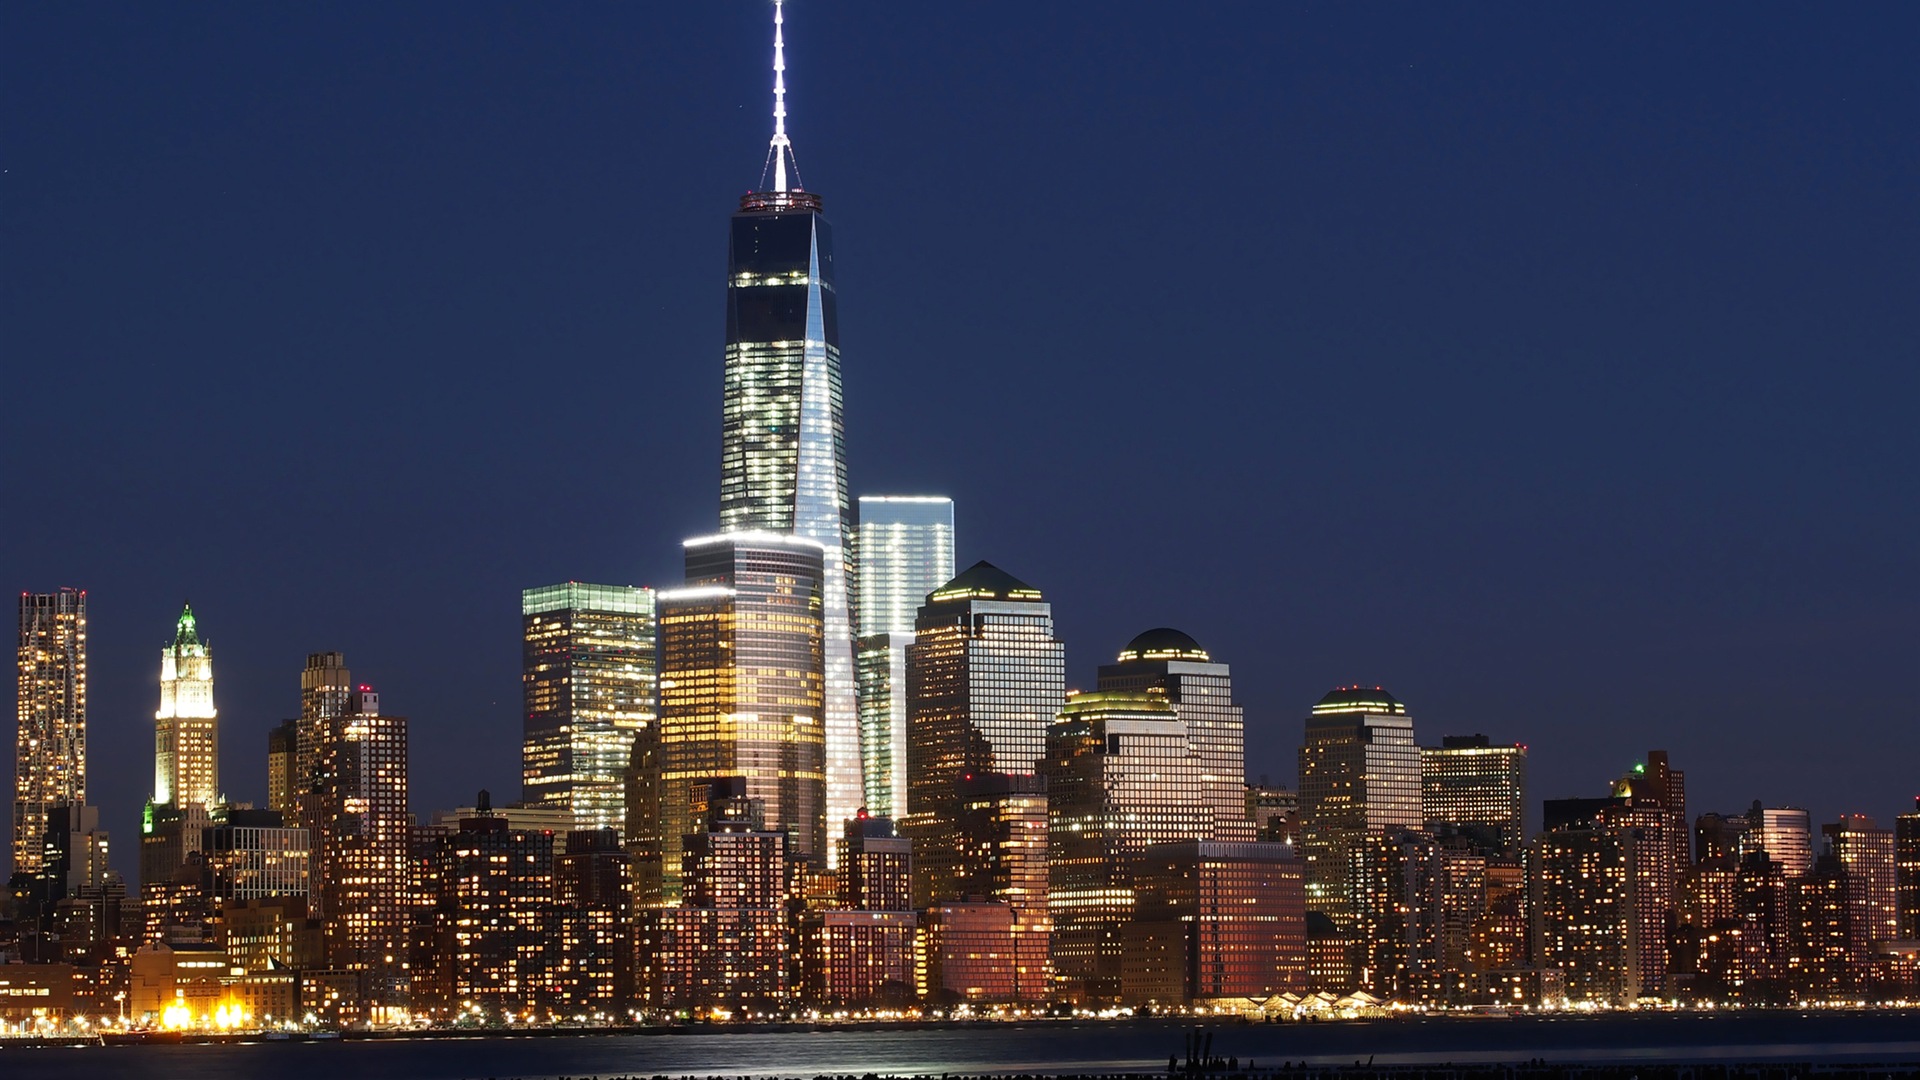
781, 151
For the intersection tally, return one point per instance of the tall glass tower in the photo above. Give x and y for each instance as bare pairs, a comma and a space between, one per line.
904, 552
783, 465
589, 682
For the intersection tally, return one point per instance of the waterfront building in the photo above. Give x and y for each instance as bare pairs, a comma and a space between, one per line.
876, 867
50, 737
727, 942
985, 679
492, 918
1359, 775
904, 552
783, 466
970, 951
1395, 881
268, 932
186, 750
1234, 918
1121, 775
173, 882
362, 849
1868, 854
1825, 961
1583, 911
589, 683
1906, 839
1477, 788
741, 694
1462, 892
1786, 834
1201, 690
590, 955
1001, 838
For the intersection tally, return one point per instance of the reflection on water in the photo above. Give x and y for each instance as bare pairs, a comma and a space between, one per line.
1067, 1047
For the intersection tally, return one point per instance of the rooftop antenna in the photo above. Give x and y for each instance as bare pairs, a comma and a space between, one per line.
782, 147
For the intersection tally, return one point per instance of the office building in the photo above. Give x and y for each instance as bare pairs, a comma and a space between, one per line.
1201, 690
326, 690
741, 694
1869, 857
1121, 775
251, 854
588, 678
985, 679
1233, 918
1786, 834
1906, 839
1359, 775
783, 466
362, 847
1477, 788
904, 552
50, 740
186, 744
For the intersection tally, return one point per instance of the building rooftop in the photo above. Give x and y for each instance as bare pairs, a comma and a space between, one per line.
1373, 699
984, 581
1163, 643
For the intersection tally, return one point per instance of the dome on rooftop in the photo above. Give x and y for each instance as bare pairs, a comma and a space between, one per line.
1371, 699
1163, 643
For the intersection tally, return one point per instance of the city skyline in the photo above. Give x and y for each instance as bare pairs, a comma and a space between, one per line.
271, 615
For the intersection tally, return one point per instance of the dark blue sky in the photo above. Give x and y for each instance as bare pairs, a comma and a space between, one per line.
1554, 367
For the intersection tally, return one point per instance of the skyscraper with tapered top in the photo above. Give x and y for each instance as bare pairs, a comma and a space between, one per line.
186, 745
783, 465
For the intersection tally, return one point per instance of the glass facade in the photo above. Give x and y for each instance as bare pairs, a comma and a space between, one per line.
1786, 835
904, 551
1481, 789
1241, 908
1202, 694
186, 746
589, 680
783, 441
985, 678
50, 741
1359, 774
741, 695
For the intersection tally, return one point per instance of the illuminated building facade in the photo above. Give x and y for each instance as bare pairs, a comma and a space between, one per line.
1868, 855
1395, 881
493, 917
1786, 834
326, 693
186, 745
1000, 836
1906, 839
362, 850
985, 679
969, 951
1825, 958
1201, 690
283, 778
1480, 789
1359, 774
50, 739
588, 678
783, 465
1238, 910
905, 552
1583, 911
1121, 776
270, 931
590, 954
741, 694
249, 855
876, 867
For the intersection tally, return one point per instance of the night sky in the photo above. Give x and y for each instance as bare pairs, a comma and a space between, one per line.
1553, 366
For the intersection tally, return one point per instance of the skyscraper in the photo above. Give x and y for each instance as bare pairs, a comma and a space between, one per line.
904, 552
783, 465
326, 685
1583, 911
1906, 839
589, 680
1786, 835
1477, 787
740, 696
1869, 855
50, 741
1201, 690
362, 849
1359, 774
186, 745
985, 679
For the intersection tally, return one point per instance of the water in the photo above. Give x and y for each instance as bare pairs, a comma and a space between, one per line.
1059, 1047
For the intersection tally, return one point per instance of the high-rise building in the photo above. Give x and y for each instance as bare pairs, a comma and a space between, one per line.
326, 687
50, 741
1786, 835
904, 552
492, 917
252, 854
1121, 775
783, 465
1906, 840
741, 695
1233, 913
284, 782
1825, 954
1583, 911
590, 957
1395, 885
985, 679
876, 867
186, 745
589, 680
1201, 690
1868, 854
1478, 788
362, 849
1359, 774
